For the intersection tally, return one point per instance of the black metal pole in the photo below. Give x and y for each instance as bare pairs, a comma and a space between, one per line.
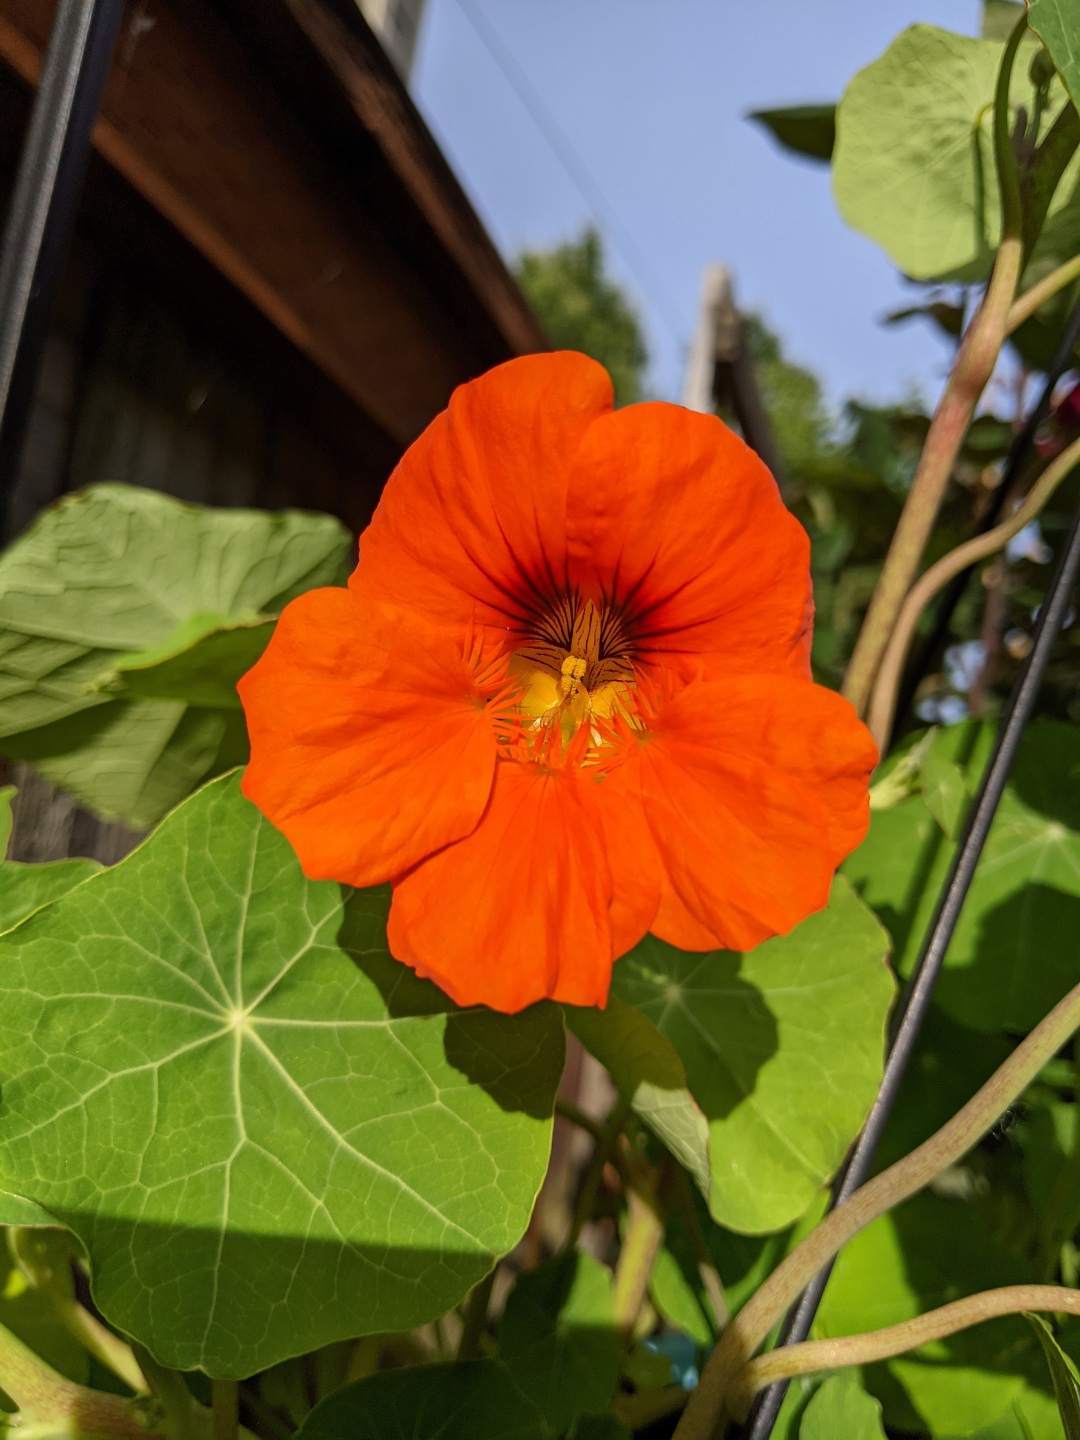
47, 186
916, 999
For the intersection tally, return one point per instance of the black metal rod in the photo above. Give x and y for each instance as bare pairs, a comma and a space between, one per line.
1017, 453
917, 996
47, 187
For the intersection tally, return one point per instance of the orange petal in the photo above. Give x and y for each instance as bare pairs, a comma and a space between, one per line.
755, 788
673, 515
637, 872
518, 911
472, 523
370, 742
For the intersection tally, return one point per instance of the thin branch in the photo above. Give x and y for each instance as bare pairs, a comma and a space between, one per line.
643, 1236
1026, 305
815, 1355
883, 699
709, 1402
577, 1117
605, 1148
44, 1258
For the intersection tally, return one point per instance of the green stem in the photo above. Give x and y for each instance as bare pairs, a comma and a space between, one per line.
177, 1402
475, 1320
642, 1239
226, 1410
43, 1256
578, 1117
707, 1271
1023, 308
883, 699
975, 361
896, 1339
46, 1398
748, 1329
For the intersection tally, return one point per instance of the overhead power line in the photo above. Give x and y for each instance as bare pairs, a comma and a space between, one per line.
563, 149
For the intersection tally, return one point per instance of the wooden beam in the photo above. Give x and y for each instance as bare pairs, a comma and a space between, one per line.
194, 123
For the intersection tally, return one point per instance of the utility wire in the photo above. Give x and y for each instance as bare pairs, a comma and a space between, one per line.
575, 167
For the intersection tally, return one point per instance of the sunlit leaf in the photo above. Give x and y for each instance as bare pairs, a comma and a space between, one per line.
782, 1047
944, 790
472, 1400
267, 1133
842, 1408
647, 1070
676, 1301
125, 619
558, 1338
25, 888
914, 168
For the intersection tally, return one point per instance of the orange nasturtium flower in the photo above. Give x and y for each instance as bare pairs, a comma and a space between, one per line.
566, 698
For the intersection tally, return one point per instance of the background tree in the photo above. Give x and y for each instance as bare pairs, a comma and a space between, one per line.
581, 308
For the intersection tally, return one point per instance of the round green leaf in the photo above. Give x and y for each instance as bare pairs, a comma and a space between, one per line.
122, 589
782, 1047
267, 1133
913, 167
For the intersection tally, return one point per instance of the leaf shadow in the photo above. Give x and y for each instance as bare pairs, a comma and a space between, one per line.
1024, 959
474, 1040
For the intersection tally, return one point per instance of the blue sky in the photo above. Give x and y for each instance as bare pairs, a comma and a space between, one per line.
651, 96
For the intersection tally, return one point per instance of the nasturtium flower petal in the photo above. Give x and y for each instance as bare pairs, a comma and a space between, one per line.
566, 699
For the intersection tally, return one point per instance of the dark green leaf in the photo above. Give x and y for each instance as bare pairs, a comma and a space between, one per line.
121, 577
598, 1427
1064, 1375
842, 1410
647, 1070
25, 888
1057, 24
558, 1338
1014, 953
808, 130
782, 1048
472, 1400
268, 1134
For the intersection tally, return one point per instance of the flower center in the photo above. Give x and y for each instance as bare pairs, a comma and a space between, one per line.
576, 666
